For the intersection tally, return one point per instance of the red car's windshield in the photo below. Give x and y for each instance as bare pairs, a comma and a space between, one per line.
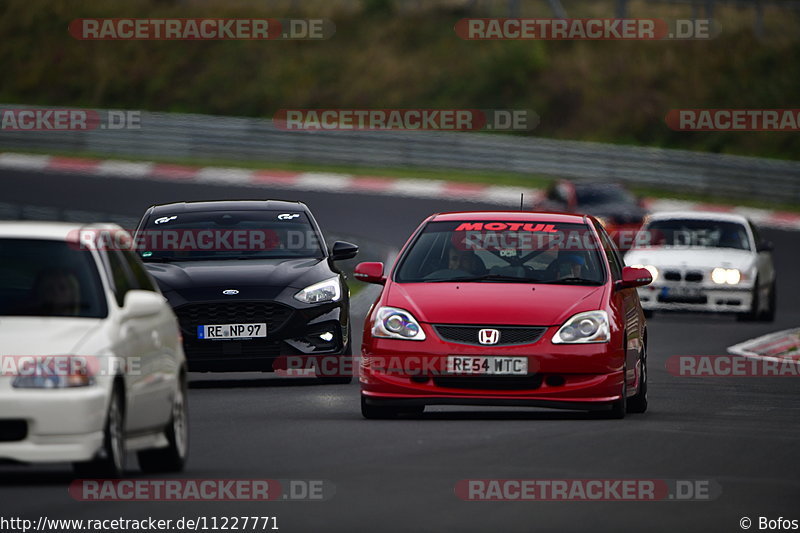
507, 251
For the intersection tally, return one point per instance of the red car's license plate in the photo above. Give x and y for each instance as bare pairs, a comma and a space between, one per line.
487, 365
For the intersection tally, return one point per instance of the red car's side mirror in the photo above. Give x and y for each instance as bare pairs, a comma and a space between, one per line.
635, 277
370, 273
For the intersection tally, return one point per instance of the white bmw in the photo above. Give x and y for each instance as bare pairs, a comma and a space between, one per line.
713, 262
91, 361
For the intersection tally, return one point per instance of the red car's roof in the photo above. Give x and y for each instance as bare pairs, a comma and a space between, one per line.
533, 216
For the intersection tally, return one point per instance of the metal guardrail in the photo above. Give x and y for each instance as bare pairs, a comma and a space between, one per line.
169, 135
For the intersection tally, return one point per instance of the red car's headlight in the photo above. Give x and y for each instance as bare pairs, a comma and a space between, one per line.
588, 327
394, 323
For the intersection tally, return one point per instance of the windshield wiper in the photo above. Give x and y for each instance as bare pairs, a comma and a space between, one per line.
574, 280
485, 277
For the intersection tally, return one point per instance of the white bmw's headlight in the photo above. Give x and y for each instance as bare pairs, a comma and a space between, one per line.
329, 290
588, 327
731, 276
394, 323
650, 268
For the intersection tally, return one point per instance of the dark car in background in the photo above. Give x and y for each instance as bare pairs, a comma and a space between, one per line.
251, 282
619, 210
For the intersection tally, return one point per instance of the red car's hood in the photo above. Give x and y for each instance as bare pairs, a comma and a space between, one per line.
494, 303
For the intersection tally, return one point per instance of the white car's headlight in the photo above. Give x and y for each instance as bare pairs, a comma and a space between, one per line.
329, 290
731, 276
394, 323
44, 377
650, 268
591, 326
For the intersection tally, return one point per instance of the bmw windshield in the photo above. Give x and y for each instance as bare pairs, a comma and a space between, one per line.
698, 233
508, 251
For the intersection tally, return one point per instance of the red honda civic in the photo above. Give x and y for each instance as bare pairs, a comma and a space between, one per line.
505, 308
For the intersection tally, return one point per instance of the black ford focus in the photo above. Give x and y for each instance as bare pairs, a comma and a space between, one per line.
251, 282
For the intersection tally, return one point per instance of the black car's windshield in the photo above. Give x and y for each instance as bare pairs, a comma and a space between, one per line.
213, 235
697, 233
602, 194
507, 251
49, 278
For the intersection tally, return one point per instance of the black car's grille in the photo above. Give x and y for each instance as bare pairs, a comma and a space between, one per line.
13, 430
509, 335
672, 275
200, 314
490, 382
231, 348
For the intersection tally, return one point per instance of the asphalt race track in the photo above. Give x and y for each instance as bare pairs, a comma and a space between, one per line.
739, 433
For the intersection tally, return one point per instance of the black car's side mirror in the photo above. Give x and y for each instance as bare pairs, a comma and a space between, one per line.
765, 246
343, 250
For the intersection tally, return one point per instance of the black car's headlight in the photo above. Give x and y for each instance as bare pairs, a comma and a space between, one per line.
329, 290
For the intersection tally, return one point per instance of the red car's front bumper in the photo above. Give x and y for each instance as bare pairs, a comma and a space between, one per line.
577, 376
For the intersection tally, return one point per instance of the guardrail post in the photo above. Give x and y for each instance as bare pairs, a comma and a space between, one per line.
622, 8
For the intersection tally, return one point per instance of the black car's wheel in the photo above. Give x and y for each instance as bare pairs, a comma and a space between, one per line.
638, 402
173, 457
648, 313
384, 412
768, 315
110, 463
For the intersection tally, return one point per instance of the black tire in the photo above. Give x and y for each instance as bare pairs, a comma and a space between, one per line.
173, 457
638, 402
648, 313
385, 412
110, 463
769, 314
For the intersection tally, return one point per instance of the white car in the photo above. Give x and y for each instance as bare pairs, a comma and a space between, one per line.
91, 355
714, 262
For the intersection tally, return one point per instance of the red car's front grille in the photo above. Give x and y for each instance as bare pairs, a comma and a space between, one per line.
490, 382
509, 335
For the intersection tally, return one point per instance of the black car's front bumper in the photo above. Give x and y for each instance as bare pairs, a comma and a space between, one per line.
298, 333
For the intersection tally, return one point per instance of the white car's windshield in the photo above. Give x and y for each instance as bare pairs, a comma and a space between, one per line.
49, 278
697, 233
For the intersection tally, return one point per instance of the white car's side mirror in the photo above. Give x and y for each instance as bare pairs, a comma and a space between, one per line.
143, 303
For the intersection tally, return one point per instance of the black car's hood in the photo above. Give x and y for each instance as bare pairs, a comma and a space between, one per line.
620, 210
233, 273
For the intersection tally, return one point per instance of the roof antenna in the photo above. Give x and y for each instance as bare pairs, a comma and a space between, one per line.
521, 196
